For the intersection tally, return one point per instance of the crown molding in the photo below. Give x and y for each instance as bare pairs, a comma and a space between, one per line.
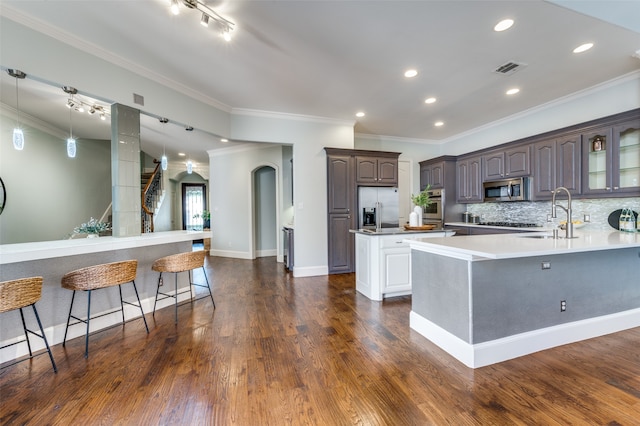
554, 103
385, 138
289, 116
99, 52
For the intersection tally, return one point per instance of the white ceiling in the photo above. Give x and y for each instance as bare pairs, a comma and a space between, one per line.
334, 58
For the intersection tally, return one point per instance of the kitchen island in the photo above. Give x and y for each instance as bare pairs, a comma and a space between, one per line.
383, 260
489, 298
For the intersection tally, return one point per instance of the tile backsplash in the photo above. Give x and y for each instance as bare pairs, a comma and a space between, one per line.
536, 211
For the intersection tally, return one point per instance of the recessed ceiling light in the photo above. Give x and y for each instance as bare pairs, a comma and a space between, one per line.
583, 48
430, 100
505, 24
410, 73
181, 154
438, 123
224, 140
513, 91
360, 114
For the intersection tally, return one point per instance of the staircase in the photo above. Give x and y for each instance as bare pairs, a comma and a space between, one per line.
152, 196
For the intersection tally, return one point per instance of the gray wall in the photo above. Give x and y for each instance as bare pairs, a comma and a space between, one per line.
48, 194
499, 298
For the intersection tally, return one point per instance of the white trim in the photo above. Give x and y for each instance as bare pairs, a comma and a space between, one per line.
372, 137
55, 334
99, 52
310, 271
232, 254
235, 149
266, 253
290, 116
487, 353
556, 102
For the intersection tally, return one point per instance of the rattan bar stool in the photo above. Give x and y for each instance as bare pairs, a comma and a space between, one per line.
18, 294
97, 277
176, 263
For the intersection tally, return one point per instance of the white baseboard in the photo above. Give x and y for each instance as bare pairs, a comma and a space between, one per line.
232, 254
310, 271
266, 253
487, 353
55, 334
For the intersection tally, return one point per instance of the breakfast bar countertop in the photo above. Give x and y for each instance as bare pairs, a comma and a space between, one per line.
13, 253
505, 246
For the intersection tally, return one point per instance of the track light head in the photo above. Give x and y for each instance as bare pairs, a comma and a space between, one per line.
70, 103
189, 129
164, 120
92, 110
204, 21
70, 90
16, 73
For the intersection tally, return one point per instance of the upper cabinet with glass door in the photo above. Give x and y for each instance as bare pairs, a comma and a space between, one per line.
611, 160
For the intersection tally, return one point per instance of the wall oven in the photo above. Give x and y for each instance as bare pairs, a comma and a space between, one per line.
433, 212
518, 189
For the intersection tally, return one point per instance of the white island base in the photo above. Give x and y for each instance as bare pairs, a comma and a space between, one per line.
383, 261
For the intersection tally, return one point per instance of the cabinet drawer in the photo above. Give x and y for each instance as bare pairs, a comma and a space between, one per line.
393, 241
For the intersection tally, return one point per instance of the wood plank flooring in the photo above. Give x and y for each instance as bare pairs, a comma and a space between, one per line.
310, 351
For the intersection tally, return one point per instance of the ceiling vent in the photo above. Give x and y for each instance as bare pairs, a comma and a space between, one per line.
509, 68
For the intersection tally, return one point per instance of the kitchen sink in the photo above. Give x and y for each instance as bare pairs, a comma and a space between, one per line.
544, 237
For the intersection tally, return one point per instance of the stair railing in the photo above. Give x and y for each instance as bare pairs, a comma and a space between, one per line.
149, 197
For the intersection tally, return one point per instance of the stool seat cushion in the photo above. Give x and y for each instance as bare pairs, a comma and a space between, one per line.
100, 276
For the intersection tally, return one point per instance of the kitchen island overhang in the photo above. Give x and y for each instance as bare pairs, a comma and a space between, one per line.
487, 299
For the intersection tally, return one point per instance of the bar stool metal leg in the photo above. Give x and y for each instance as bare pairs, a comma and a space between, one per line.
86, 339
53, 363
139, 304
64, 341
26, 335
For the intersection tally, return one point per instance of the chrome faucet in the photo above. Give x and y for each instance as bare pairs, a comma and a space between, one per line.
569, 226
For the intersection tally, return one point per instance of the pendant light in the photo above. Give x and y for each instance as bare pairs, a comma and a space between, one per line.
164, 162
71, 142
189, 162
18, 134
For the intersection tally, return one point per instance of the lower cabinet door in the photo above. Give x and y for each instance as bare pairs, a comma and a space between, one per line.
396, 270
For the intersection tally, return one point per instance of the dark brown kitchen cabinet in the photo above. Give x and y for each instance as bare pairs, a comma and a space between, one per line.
339, 184
469, 180
557, 162
509, 163
376, 171
432, 174
611, 160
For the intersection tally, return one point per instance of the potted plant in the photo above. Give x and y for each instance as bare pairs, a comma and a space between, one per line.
92, 228
422, 199
206, 218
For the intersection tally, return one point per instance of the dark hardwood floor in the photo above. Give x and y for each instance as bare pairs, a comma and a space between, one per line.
310, 351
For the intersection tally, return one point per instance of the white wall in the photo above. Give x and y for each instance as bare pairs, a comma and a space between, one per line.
308, 137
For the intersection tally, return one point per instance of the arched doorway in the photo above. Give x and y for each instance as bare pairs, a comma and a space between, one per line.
265, 212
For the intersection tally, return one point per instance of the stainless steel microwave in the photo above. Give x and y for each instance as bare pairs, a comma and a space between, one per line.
518, 189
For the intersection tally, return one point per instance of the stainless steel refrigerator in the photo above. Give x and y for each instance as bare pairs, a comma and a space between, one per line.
378, 207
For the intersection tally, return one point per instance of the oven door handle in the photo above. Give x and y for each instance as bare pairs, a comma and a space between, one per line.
509, 190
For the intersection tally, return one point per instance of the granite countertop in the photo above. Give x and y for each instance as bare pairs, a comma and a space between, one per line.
477, 225
505, 246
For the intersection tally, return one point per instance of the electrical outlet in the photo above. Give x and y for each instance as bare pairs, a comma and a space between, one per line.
563, 305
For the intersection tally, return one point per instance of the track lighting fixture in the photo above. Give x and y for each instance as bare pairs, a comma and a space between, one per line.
18, 134
76, 103
208, 14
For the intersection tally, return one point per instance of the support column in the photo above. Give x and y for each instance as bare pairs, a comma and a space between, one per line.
125, 171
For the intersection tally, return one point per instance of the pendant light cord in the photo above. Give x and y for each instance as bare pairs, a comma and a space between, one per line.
17, 105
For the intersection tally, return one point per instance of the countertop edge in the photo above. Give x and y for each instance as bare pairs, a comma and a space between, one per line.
24, 252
